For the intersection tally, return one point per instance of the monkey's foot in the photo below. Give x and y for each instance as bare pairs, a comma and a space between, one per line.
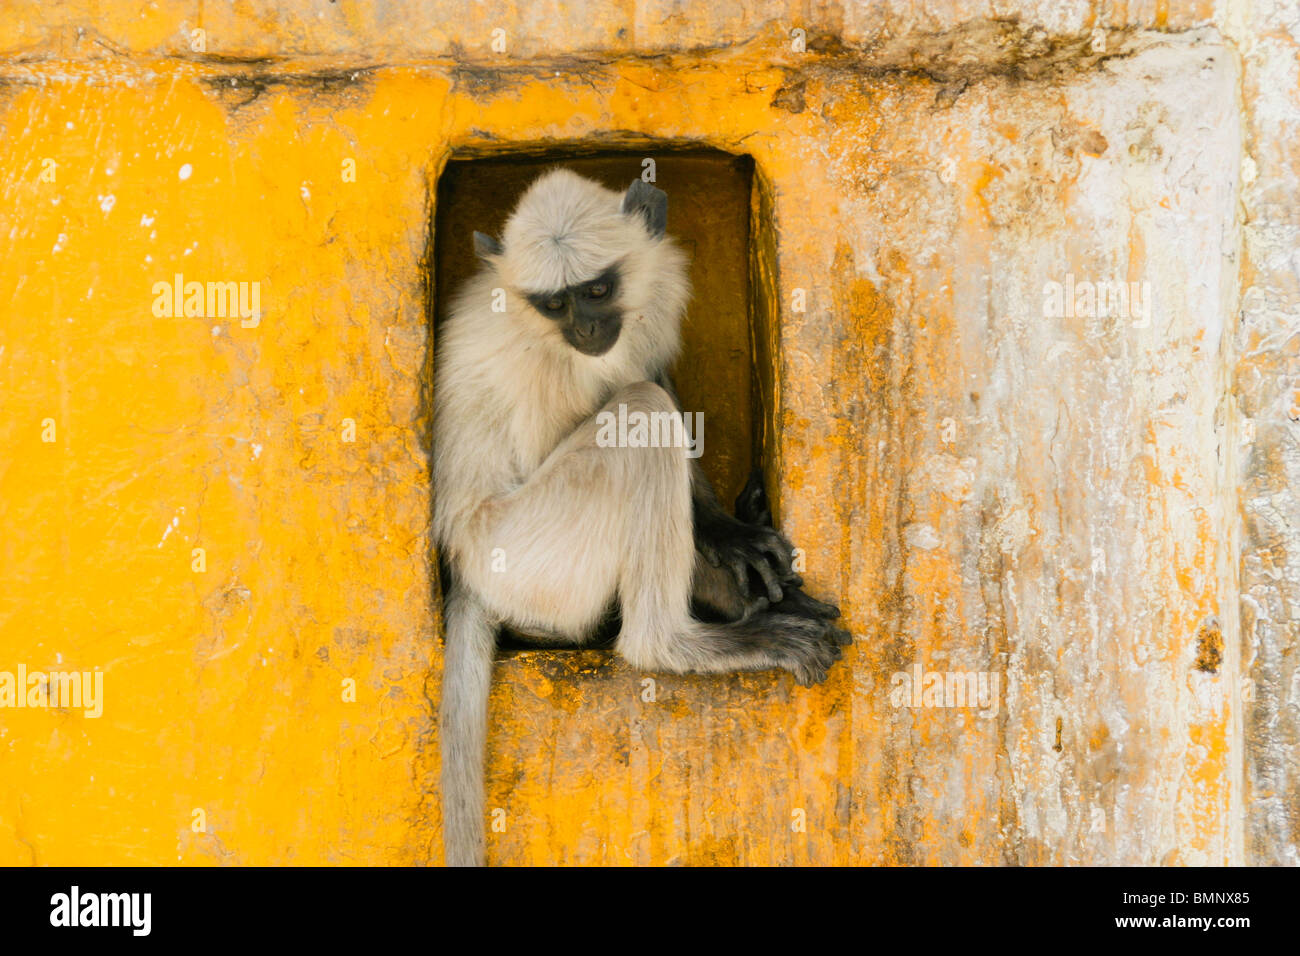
805, 646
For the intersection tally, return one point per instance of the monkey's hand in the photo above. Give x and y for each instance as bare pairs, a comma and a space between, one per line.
819, 641
797, 602
746, 550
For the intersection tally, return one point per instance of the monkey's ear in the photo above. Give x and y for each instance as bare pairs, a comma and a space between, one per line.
650, 203
485, 246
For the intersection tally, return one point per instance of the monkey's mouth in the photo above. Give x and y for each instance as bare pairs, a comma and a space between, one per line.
595, 345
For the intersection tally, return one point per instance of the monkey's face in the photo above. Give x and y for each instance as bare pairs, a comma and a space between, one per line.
587, 313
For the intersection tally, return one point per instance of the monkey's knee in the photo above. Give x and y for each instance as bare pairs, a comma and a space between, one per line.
645, 397
647, 436
643, 417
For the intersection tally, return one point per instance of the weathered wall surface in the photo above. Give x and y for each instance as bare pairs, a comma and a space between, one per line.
1065, 500
1267, 396
894, 32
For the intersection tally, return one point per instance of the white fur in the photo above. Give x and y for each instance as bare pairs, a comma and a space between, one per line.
509, 388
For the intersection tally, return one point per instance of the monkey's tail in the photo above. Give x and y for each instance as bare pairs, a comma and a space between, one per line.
462, 727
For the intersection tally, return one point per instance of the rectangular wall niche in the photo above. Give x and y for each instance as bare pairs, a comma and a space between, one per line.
710, 196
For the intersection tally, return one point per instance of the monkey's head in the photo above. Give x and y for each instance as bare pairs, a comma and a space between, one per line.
592, 265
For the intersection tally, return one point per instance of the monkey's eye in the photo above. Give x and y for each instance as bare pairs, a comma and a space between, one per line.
597, 290
553, 304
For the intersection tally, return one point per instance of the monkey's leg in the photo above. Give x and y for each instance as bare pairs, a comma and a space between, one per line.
462, 725
553, 553
594, 522
738, 546
656, 578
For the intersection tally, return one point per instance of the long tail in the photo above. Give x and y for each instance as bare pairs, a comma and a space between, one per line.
462, 725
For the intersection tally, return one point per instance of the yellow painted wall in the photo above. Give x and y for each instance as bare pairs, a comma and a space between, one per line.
1073, 529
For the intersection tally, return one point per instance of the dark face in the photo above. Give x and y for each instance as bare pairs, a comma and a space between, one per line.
587, 315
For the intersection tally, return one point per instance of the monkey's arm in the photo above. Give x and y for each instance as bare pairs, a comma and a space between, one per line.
726, 542
715, 588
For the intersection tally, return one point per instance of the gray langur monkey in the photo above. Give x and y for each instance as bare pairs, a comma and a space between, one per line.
543, 529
